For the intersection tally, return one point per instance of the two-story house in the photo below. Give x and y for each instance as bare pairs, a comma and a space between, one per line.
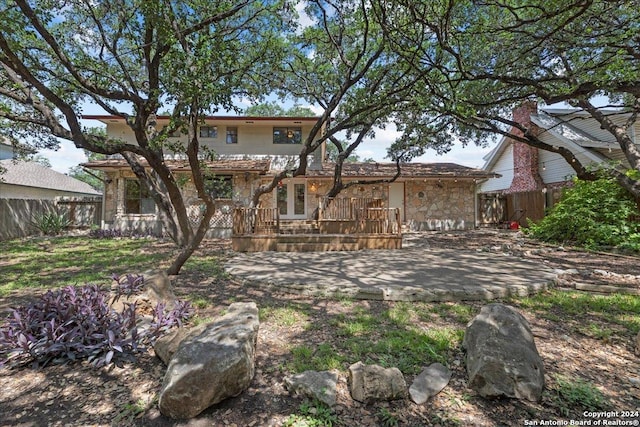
248, 150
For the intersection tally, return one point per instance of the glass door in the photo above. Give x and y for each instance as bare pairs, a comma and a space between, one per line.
291, 200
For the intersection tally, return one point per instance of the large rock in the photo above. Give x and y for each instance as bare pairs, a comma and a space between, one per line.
638, 344
314, 385
502, 359
167, 345
370, 383
212, 364
157, 289
430, 382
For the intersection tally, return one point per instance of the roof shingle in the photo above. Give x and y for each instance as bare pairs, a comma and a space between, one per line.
32, 174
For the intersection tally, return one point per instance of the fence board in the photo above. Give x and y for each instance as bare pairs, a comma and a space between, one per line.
16, 215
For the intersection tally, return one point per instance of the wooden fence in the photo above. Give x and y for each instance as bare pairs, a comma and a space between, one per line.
17, 215
502, 209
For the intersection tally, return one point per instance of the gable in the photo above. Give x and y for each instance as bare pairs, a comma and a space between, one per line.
501, 163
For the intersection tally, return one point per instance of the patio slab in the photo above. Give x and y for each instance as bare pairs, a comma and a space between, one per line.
414, 273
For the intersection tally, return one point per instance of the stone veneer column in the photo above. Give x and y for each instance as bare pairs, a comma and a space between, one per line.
526, 176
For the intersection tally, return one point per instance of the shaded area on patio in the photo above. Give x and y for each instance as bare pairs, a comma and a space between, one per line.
414, 273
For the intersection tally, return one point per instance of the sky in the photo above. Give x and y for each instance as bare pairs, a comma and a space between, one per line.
68, 156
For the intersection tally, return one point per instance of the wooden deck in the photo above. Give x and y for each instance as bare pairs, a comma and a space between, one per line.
260, 229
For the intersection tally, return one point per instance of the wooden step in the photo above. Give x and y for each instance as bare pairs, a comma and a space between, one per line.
317, 238
316, 247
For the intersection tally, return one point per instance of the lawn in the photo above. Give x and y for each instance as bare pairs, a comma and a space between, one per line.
54, 262
575, 330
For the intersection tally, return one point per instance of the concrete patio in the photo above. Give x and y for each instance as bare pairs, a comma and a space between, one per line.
413, 273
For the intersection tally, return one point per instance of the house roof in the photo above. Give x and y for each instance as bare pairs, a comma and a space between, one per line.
564, 133
32, 174
421, 170
282, 120
224, 165
369, 170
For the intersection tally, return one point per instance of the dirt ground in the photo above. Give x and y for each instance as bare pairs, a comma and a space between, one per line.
81, 395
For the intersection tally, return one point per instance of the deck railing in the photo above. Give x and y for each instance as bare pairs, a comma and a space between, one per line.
345, 208
349, 216
256, 221
379, 221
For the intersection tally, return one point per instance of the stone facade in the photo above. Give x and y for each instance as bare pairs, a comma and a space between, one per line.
430, 204
440, 205
115, 216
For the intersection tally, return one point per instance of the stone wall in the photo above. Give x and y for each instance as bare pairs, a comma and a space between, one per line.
440, 205
430, 204
116, 218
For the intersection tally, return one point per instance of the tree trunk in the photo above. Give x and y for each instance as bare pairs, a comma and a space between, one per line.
193, 244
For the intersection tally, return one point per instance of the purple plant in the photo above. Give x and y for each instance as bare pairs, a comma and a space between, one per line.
77, 323
68, 324
129, 284
164, 320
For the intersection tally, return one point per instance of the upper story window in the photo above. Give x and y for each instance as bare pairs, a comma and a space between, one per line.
137, 199
219, 186
232, 135
208, 131
288, 135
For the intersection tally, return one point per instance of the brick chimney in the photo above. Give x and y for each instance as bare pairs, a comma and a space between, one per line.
526, 176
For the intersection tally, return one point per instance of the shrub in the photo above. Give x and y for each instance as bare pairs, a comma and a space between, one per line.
591, 214
50, 223
78, 323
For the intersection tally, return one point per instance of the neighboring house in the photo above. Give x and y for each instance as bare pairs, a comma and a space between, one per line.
430, 196
6, 150
31, 180
531, 179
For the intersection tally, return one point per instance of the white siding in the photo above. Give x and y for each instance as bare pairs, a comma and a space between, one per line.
504, 167
253, 138
553, 167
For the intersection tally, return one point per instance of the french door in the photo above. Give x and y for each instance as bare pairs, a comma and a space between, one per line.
291, 199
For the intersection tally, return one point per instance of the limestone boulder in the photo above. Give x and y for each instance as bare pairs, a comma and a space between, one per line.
430, 382
314, 385
212, 364
638, 344
370, 383
157, 289
502, 358
166, 345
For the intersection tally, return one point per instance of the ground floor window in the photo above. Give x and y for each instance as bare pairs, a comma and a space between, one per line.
137, 199
219, 186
